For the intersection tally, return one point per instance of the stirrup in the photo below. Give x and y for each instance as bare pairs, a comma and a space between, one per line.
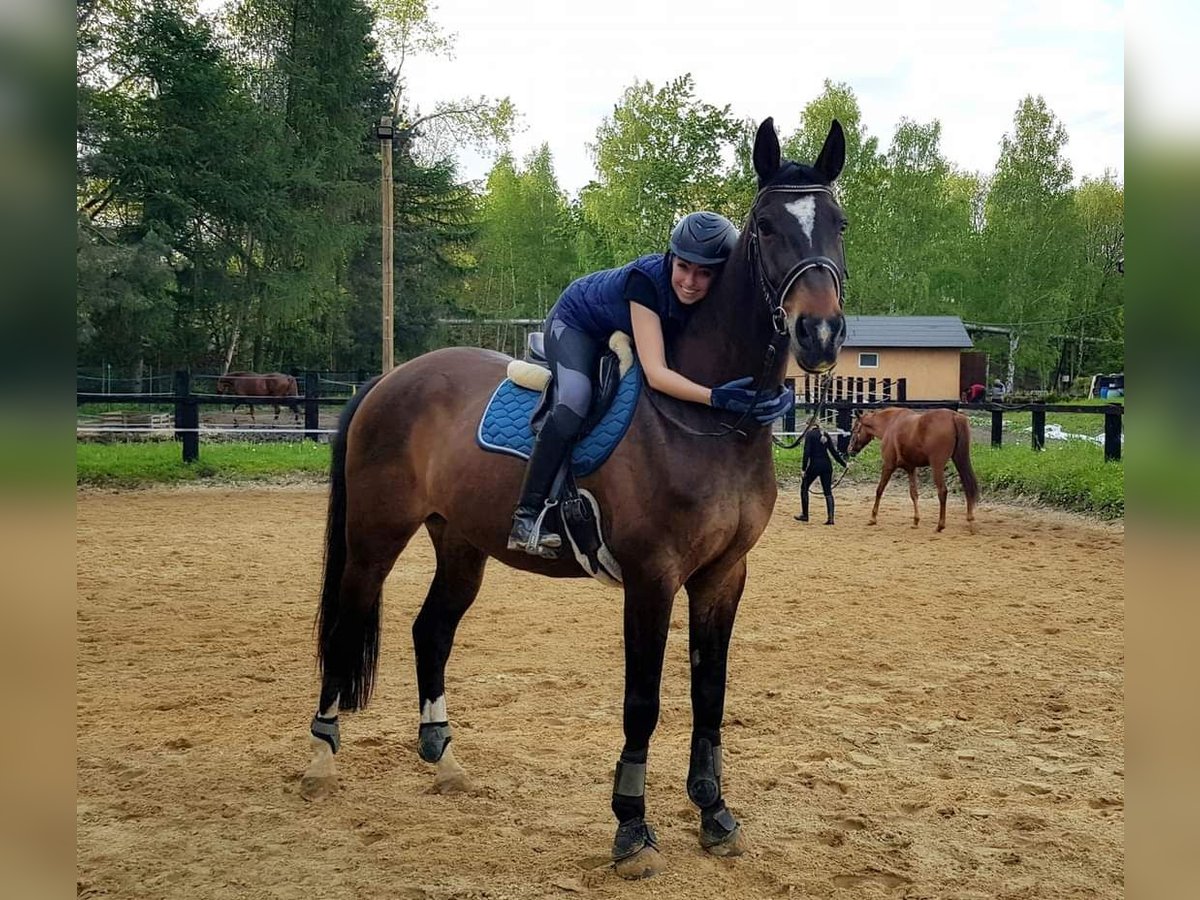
529, 537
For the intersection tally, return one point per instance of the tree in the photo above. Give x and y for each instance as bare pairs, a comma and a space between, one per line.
526, 247
659, 156
922, 228
1028, 247
1099, 310
859, 189
169, 147
406, 28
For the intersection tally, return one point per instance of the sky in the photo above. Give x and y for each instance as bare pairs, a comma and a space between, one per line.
967, 64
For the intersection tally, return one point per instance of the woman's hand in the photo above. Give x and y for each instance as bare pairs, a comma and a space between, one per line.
773, 407
734, 395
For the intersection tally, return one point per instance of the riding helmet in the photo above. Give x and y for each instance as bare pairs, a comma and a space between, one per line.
704, 238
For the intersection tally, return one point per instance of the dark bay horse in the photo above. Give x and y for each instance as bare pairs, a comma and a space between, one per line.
912, 439
252, 384
684, 498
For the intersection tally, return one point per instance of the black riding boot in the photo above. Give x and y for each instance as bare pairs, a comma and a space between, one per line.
803, 517
829, 508
549, 447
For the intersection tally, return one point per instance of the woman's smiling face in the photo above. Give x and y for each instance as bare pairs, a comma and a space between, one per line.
690, 281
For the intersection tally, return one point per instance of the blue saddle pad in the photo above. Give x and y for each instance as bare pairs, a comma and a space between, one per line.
504, 427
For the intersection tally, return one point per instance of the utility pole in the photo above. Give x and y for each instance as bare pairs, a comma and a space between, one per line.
385, 132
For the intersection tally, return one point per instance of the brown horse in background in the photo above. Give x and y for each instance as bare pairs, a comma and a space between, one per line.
251, 384
914, 438
684, 497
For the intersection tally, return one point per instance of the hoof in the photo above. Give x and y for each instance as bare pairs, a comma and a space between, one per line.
734, 844
320, 778
720, 833
646, 863
451, 778
941, 527
318, 787
635, 850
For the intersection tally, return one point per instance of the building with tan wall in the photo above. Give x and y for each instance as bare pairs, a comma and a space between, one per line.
923, 350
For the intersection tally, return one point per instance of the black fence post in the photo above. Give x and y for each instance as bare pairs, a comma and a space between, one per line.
997, 427
902, 389
187, 417
1039, 428
312, 409
789, 419
871, 389
1112, 437
844, 423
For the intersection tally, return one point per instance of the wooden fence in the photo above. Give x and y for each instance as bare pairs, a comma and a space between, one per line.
844, 415
857, 394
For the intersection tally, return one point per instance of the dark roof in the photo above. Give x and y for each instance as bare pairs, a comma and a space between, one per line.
906, 331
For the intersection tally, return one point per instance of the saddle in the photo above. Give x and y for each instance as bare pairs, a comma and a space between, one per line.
510, 422
605, 380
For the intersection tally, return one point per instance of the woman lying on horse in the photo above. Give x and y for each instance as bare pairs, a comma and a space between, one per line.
652, 297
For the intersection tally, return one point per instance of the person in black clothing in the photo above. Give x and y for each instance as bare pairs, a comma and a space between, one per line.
815, 463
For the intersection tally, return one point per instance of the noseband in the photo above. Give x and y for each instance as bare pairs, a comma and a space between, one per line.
774, 296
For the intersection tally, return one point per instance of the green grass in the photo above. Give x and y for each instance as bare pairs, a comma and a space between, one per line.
140, 464
1071, 475
1067, 474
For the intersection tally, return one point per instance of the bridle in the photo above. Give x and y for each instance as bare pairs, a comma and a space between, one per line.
774, 296
774, 299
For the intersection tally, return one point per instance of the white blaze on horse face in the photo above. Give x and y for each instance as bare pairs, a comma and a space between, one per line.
824, 333
805, 211
434, 710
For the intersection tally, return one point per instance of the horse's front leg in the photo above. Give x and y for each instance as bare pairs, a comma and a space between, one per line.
912, 492
884, 477
713, 595
647, 620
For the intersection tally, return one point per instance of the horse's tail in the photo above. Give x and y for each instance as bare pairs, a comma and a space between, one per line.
348, 640
962, 457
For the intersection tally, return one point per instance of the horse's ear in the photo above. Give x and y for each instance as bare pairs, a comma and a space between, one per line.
833, 154
766, 151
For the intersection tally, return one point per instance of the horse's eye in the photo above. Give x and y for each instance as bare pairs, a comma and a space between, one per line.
845, 225
765, 228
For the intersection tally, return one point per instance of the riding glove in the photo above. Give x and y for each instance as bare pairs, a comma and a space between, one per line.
768, 409
734, 396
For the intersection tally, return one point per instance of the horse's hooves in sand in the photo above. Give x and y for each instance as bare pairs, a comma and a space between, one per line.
317, 787
645, 863
451, 778
734, 845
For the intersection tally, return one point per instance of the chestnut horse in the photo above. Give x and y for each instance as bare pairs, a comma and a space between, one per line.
684, 497
251, 384
912, 439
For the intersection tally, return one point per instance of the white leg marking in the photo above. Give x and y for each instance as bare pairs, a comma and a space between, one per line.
332, 711
805, 211
434, 710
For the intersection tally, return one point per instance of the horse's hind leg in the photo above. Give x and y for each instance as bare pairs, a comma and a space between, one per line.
713, 597
352, 646
455, 584
939, 478
912, 492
